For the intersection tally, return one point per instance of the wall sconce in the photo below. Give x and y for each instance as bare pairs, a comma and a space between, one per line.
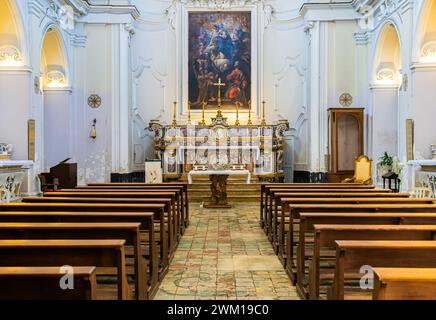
94, 130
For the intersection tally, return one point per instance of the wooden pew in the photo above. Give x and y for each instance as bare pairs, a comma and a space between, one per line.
277, 199
129, 232
144, 218
404, 284
132, 191
352, 255
176, 206
181, 188
157, 209
296, 206
42, 283
326, 235
184, 185
270, 196
264, 190
169, 208
99, 253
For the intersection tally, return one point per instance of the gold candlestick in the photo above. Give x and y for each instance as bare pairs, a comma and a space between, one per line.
263, 123
189, 113
249, 123
174, 114
202, 122
237, 123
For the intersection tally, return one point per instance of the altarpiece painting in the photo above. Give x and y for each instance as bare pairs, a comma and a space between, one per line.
219, 48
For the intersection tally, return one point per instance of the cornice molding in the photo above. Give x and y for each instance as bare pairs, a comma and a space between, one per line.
109, 9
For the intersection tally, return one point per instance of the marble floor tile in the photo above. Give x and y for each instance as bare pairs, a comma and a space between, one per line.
224, 255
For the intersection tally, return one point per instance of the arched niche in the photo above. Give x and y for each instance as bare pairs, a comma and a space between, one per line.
54, 62
386, 111
425, 50
12, 41
387, 63
56, 99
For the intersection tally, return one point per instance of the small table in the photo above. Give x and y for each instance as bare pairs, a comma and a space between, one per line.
218, 187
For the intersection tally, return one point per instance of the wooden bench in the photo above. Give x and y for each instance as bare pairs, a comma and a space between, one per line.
277, 198
404, 284
99, 253
184, 185
145, 218
182, 193
175, 204
324, 241
157, 192
265, 187
291, 209
157, 209
129, 232
169, 209
270, 196
352, 255
42, 283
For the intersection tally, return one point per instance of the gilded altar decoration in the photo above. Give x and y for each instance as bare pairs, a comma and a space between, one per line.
219, 48
219, 146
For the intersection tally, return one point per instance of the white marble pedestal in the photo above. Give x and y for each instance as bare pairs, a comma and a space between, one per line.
17, 178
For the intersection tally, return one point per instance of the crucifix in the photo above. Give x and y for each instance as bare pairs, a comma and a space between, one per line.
219, 85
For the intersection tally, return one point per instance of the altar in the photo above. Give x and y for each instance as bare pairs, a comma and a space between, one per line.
421, 174
257, 149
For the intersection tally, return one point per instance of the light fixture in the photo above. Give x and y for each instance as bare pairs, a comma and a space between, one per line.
94, 130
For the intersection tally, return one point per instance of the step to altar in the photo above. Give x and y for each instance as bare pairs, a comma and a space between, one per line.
237, 189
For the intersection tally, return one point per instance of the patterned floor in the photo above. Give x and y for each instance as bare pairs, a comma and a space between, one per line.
224, 255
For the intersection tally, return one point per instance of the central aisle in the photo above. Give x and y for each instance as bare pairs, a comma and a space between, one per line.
224, 254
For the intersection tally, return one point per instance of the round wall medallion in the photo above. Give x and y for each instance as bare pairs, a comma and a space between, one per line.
94, 101
346, 100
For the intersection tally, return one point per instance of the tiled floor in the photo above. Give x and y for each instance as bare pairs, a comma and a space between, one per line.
224, 254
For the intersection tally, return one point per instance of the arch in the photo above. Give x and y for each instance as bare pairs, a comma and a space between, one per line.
425, 45
388, 61
12, 39
54, 59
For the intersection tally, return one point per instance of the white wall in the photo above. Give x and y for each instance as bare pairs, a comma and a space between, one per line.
385, 121
57, 129
14, 106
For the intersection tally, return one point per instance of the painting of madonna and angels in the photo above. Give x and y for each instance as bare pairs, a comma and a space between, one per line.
220, 48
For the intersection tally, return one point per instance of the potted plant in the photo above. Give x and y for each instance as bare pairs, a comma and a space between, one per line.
385, 164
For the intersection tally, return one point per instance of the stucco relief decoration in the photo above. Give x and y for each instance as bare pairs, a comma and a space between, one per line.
9, 53
55, 78
386, 75
429, 50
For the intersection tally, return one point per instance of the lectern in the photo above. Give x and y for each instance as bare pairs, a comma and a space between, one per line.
66, 173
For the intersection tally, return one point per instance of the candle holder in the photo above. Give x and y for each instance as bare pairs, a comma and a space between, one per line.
237, 123
202, 122
189, 113
249, 123
263, 123
174, 123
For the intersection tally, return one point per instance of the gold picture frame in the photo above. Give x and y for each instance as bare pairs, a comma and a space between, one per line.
31, 139
409, 139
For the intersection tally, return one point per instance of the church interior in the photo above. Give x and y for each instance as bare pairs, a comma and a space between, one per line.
217, 149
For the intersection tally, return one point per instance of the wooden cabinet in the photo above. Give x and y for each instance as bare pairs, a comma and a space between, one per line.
346, 129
